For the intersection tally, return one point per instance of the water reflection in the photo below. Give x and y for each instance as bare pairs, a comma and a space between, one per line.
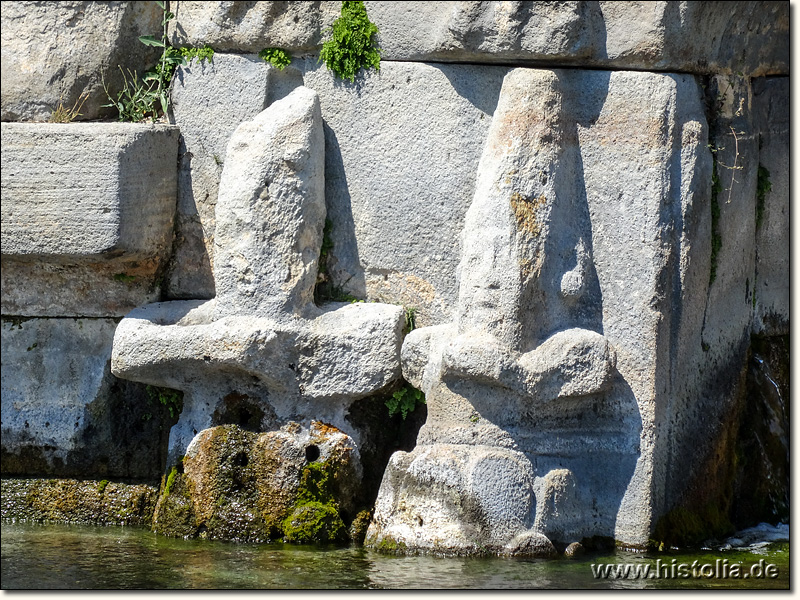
83, 557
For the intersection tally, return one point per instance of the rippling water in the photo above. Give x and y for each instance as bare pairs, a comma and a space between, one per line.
84, 557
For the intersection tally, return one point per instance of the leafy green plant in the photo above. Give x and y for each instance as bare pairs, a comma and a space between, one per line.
148, 97
172, 400
405, 400
411, 319
63, 114
277, 57
352, 45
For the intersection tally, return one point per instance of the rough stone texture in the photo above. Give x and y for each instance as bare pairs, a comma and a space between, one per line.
402, 148
708, 318
241, 485
86, 216
585, 181
252, 26
209, 101
77, 501
275, 176
771, 282
699, 37
417, 172
261, 350
55, 52
65, 415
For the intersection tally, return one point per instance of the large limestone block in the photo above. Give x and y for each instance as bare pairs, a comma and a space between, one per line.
252, 26
586, 244
261, 351
699, 37
57, 51
401, 156
64, 414
771, 284
209, 101
87, 216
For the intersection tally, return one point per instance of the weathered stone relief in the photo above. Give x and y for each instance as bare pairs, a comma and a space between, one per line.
592, 255
262, 354
540, 375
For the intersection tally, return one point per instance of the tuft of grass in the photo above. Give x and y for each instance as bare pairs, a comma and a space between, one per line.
63, 114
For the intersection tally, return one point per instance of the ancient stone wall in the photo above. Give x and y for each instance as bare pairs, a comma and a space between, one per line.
584, 203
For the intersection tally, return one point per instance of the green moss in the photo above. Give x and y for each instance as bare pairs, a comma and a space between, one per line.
763, 187
101, 487
173, 472
314, 522
124, 277
389, 545
315, 518
359, 526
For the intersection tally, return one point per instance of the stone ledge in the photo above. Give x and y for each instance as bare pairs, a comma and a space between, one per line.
85, 207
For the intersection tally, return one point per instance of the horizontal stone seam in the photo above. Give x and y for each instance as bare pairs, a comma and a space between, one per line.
24, 318
532, 64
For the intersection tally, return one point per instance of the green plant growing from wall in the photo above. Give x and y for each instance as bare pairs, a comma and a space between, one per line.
277, 57
149, 96
352, 45
172, 400
405, 400
63, 114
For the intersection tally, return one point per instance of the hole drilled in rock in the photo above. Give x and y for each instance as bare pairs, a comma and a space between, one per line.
312, 453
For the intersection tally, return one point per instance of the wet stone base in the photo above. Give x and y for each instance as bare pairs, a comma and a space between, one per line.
86, 502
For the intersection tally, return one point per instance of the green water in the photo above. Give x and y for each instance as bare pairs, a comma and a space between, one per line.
84, 557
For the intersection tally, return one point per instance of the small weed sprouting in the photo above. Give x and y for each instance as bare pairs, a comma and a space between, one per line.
148, 97
405, 400
277, 57
124, 277
63, 114
172, 400
352, 45
411, 319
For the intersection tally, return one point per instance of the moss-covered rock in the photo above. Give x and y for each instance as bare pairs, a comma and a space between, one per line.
314, 522
233, 484
89, 502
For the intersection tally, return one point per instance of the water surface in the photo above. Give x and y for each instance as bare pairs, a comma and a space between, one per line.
85, 557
